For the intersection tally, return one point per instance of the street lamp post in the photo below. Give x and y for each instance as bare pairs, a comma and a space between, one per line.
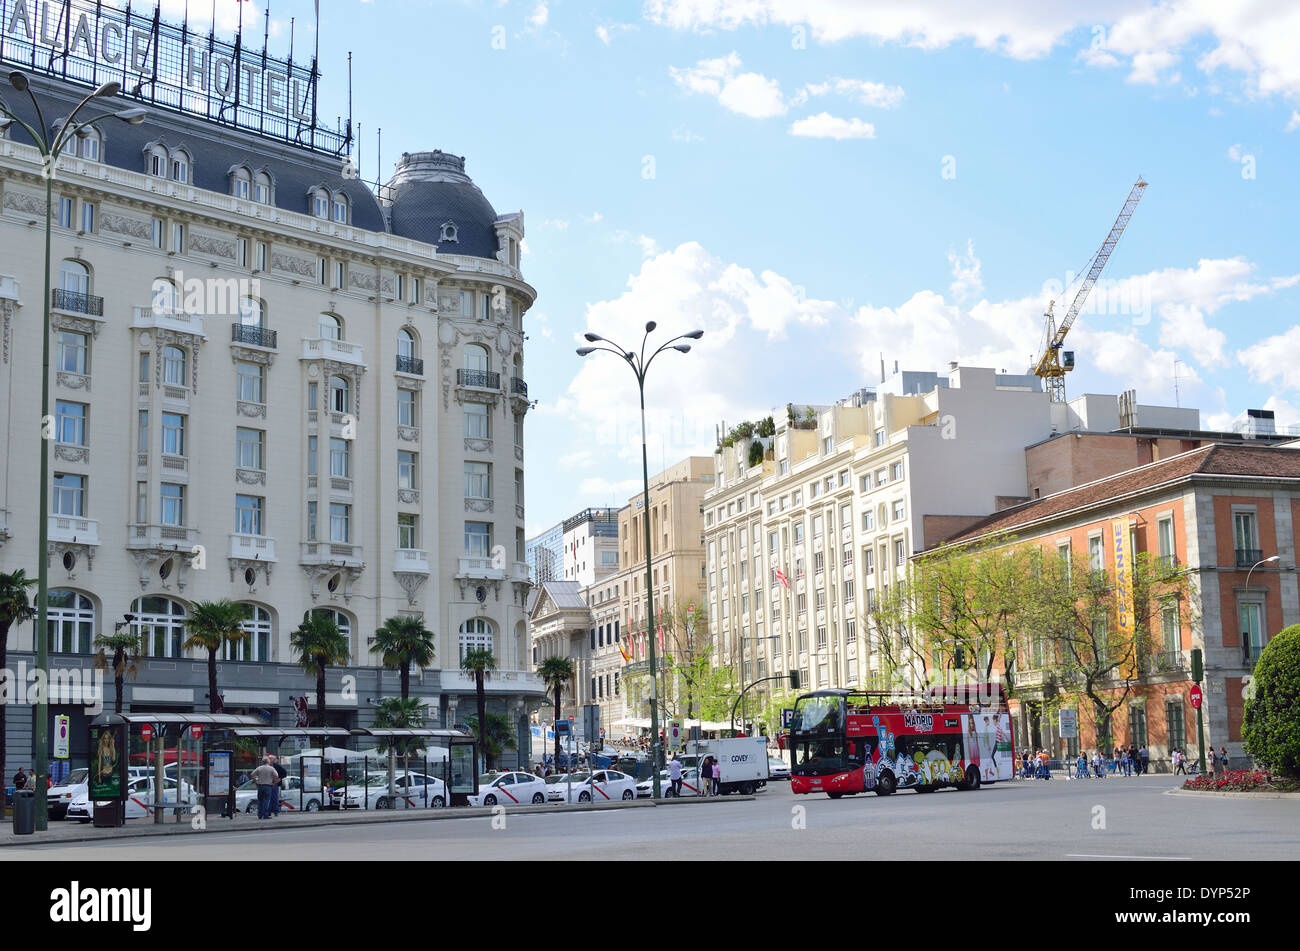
1245, 635
51, 145
639, 364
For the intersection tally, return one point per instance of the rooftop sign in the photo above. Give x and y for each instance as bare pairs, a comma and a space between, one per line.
168, 66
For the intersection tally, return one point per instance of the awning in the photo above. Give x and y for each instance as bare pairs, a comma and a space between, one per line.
202, 719
281, 732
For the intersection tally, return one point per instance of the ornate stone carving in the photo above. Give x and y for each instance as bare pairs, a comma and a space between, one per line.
6, 332
78, 551
212, 244
409, 496
361, 279
73, 381
128, 225
408, 434
293, 264
81, 325
20, 201
386, 285
250, 477
319, 574
478, 505
478, 445
251, 410
519, 453
411, 582
71, 453
146, 558
191, 341
242, 565
240, 354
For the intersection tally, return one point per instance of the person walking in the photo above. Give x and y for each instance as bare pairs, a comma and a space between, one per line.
675, 775
20, 779
1081, 766
266, 777
717, 777
1145, 753
706, 777
1180, 762
1025, 760
1223, 758
281, 774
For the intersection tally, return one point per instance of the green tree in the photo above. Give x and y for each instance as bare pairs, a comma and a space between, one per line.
14, 609
1271, 725
125, 645
320, 645
555, 673
399, 713
766, 427
480, 661
498, 737
404, 641
755, 453
211, 625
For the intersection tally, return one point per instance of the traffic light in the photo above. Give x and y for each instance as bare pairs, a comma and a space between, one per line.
794, 680
1198, 665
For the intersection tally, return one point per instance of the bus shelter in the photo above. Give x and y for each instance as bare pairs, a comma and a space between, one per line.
449, 756
307, 789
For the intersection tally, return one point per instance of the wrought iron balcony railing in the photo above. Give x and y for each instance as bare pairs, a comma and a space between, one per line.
482, 378
410, 365
78, 303
518, 387
1246, 557
257, 336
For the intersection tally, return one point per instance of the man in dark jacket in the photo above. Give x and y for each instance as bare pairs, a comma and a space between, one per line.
281, 772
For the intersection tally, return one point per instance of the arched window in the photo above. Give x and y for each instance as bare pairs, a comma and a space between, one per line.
341, 620
340, 394
160, 623
320, 203
340, 209
70, 623
180, 167
155, 162
330, 327
476, 358
88, 143
251, 312
257, 647
262, 188
166, 298
173, 364
241, 183
406, 344
74, 277
476, 634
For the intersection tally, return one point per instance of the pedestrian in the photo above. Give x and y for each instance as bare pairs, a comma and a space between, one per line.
1223, 758
20, 779
1081, 766
266, 777
717, 777
706, 777
1025, 773
1096, 764
281, 774
675, 775
1043, 771
1145, 753
1135, 760
1180, 762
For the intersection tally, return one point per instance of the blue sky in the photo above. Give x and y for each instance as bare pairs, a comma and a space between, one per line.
817, 182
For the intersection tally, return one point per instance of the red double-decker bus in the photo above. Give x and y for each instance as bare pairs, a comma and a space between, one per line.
845, 742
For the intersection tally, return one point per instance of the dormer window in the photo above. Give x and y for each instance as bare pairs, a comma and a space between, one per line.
240, 184
320, 203
448, 232
341, 210
157, 161
88, 144
180, 168
241, 188
262, 188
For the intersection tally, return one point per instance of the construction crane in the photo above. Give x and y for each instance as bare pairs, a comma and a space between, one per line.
1054, 364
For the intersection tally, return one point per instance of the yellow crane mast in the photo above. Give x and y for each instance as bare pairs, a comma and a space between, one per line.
1050, 366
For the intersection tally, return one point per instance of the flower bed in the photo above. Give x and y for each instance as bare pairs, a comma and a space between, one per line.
1242, 780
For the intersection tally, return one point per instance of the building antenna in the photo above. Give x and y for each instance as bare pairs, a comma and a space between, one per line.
1176, 403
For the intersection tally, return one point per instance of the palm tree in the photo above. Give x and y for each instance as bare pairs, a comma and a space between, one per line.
500, 734
398, 713
403, 641
126, 646
555, 673
211, 625
480, 661
14, 609
320, 644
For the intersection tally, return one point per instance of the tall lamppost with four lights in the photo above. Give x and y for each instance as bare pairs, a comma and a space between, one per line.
51, 143
639, 364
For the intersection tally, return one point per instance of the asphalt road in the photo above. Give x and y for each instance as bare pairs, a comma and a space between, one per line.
1110, 819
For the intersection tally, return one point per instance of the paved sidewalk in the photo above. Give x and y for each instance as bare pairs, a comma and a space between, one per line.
62, 831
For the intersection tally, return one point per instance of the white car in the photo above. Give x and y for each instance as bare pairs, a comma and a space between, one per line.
604, 785
292, 797
556, 780
412, 791
690, 785
59, 797
139, 799
509, 789
776, 768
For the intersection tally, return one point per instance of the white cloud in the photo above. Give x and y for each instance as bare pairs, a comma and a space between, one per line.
559, 224
1234, 153
1256, 41
539, 15
1275, 359
1183, 325
1294, 122
864, 91
594, 218
966, 278
606, 33
826, 126
749, 94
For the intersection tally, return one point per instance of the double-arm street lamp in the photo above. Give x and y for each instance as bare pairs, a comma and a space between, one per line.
640, 363
51, 143
1245, 635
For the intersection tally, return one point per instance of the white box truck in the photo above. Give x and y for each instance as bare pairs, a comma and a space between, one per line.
743, 761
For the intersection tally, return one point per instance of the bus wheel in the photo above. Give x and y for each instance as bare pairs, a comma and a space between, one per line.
835, 795
972, 778
886, 785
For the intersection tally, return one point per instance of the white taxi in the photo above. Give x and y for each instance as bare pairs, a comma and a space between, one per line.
604, 785
509, 789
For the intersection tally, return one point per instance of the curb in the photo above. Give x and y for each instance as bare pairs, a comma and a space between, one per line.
368, 817
1295, 796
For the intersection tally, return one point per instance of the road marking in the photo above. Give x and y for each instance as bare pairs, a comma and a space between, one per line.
1154, 858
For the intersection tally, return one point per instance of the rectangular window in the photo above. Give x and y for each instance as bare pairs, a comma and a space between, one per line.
248, 448
864, 483
340, 275
407, 474
142, 502
341, 212
850, 631
519, 431
817, 526
485, 310
1137, 726
311, 521
249, 379
65, 212
248, 515
312, 447
340, 458
262, 255
900, 553
868, 560
143, 365
241, 188
1170, 633
173, 434
312, 390
322, 271
173, 504
466, 303
241, 252
1165, 541
1252, 639
399, 289
1175, 722
340, 523
880, 437
519, 487
178, 238
73, 352
157, 233
1243, 534
896, 472
173, 366
1096, 553
900, 510
868, 520
849, 590
478, 480
828, 445
143, 444
70, 423
69, 494
415, 290
407, 534
478, 539
406, 407
478, 421
88, 217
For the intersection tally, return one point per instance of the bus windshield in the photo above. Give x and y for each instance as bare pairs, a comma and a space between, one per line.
819, 757
818, 714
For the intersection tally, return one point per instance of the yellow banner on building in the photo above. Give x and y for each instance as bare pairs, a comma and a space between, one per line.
1121, 528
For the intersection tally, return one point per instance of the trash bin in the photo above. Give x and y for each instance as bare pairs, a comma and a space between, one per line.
24, 812
107, 815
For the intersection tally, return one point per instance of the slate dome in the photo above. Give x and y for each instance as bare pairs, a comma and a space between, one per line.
434, 201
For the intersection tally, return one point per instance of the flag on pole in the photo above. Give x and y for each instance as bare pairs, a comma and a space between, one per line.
780, 576
627, 658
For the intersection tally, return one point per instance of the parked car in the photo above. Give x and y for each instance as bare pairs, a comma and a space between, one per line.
776, 768
292, 797
58, 798
509, 789
410, 791
690, 785
139, 799
557, 783
604, 785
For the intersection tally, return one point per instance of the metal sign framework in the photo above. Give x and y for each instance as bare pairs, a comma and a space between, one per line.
170, 67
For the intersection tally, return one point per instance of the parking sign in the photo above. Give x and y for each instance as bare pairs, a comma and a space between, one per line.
62, 726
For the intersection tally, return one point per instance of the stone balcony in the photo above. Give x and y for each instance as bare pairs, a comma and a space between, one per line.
178, 537
336, 554
340, 351
479, 568
71, 529
411, 559
161, 318
252, 547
